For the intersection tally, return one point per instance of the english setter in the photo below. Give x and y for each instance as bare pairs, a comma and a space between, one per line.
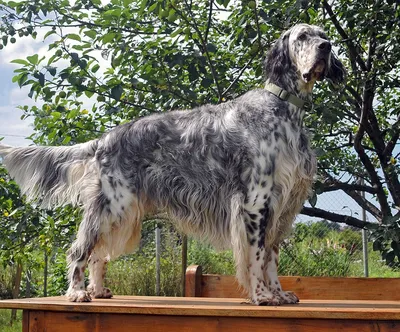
233, 174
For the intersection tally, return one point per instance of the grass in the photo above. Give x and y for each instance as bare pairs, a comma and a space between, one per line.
5, 315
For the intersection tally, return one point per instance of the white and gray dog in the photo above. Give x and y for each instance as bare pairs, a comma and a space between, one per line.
233, 174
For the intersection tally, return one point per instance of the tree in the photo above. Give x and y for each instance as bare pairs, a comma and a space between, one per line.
132, 58
26, 230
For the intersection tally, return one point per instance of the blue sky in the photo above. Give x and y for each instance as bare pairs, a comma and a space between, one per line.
12, 128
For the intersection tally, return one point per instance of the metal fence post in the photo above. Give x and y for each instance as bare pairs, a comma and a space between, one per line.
364, 237
158, 255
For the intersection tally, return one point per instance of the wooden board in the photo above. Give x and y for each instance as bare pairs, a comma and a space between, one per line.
316, 288
209, 307
94, 322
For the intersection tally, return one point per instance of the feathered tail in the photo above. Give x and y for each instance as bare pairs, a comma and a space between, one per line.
55, 175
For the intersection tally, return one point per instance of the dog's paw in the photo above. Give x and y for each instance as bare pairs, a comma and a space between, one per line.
104, 293
78, 296
267, 299
289, 297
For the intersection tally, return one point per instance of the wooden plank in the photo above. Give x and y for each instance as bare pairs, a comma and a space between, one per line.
36, 321
197, 306
193, 281
317, 288
89, 322
25, 321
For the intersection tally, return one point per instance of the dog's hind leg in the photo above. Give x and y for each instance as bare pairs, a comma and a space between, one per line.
97, 270
87, 238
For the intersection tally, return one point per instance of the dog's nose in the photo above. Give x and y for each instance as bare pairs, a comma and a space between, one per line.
325, 46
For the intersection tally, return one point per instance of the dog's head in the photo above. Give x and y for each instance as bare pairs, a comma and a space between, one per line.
306, 51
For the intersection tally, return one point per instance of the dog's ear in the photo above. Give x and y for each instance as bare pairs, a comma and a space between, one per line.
336, 73
277, 61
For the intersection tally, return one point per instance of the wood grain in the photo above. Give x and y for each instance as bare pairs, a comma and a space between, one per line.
316, 288
193, 281
307, 309
80, 322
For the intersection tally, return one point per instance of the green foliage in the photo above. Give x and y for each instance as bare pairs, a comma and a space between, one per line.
386, 240
5, 326
211, 261
350, 240
319, 249
6, 281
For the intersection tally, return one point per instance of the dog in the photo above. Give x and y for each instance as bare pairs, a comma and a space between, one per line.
234, 174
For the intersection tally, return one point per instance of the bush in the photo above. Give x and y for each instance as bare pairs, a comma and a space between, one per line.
351, 240
211, 261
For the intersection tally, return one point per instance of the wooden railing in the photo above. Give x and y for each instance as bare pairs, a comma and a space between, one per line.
306, 288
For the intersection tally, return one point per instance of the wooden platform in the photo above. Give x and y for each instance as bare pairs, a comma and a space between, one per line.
135, 313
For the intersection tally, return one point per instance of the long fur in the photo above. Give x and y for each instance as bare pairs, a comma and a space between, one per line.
234, 174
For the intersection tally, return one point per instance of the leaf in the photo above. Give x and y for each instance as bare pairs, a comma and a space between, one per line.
56, 115
49, 33
319, 151
205, 83
20, 62
89, 93
389, 257
66, 140
75, 56
95, 68
116, 92
376, 246
107, 38
313, 200
51, 70
90, 33
23, 78
211, 48
33, 59
74, 36
41, 79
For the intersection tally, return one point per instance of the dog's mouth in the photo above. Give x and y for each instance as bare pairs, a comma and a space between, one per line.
317, 72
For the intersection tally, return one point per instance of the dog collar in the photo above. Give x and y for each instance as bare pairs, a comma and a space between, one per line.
284, 95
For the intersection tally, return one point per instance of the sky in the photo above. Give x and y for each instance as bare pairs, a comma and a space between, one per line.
15, 131
12, 128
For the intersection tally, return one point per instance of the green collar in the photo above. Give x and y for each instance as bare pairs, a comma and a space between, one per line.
284, 95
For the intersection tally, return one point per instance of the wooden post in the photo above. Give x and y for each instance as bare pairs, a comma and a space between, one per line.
15, 292
46, 261
184, 262
193, 281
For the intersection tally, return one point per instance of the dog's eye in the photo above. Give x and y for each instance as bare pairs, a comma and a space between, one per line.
302, 36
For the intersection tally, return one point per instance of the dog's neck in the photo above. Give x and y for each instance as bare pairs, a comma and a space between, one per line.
297, 87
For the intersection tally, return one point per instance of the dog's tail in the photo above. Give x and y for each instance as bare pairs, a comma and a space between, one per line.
54, 174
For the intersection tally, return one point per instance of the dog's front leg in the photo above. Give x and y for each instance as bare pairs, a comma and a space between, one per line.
271, 276
261, 291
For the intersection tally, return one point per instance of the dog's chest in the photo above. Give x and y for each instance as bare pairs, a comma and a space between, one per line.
281, 163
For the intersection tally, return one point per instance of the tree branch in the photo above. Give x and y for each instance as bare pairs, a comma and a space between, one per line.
239, 75
348, 187
354, 54
367, 102
209, 20
335, 217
